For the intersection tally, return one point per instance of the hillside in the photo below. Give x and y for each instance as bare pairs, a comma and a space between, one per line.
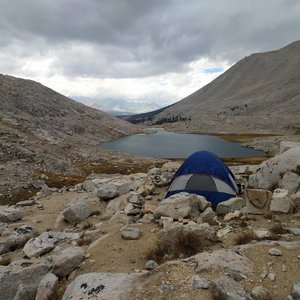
44, 131
260, 92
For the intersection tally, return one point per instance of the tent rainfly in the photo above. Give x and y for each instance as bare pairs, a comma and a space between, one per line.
205, 174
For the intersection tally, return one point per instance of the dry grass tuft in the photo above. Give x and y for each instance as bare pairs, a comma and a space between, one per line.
181, 244
268, 215
278, 229
5, 261
84, 240
245, 237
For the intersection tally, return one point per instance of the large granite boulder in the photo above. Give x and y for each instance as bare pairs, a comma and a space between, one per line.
104, 286
270, 171
17, 239
21, 272
181, 205
281, 202
78, 210
10, 214
67, 260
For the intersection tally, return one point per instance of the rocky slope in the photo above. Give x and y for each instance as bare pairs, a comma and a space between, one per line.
259, 93
95, 241
42, 130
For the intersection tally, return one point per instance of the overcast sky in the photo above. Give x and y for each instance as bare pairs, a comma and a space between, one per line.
137, 54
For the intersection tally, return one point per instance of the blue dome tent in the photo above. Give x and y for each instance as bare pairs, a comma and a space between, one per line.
205, 174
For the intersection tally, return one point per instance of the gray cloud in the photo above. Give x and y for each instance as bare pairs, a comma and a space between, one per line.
140, 38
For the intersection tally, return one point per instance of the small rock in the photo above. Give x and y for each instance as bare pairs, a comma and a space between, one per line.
232, 215
227, 288
131, 233
25, 203
284, 268
260, 293
166, 286
223, 232
275, 252
199, 282
294, 231
272, 276
296, 291
151, 265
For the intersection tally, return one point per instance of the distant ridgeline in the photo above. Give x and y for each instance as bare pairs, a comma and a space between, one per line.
150, 117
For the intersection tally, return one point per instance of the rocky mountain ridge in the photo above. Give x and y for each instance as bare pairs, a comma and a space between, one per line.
42, 130
260, 92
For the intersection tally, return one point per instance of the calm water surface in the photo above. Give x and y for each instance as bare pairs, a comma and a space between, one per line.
165, 144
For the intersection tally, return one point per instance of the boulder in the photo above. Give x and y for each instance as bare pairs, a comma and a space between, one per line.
123, 185
258, 201
67, 260
182, 205
117, 204
296, 291
131, 209
25, 292
131, 233
205, 230
209, 216
77, 211
226, 288
18, 239
230, 205
223, 259
287, 145
270, 171
10, 214
25, 272
135, 199
281, 202
199, 282
260, 293
47, 289
107, 191
40, 245
291, 182
105, 286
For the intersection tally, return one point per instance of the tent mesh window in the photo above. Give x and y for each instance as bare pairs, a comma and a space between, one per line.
201, 182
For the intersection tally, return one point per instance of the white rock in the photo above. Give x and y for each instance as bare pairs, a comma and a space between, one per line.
235, 203
281, 202
287, 145
260, 293
232, 215
270, 171
47, 289
67, 260
226, 288
291, 182
131, 233
275, 252
25, 272
107, 191
181, 205
296, 291
199, 282
151, 265
39, 245
104, 286
77, 211
10, 214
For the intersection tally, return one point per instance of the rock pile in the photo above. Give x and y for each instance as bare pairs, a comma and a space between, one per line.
43, 260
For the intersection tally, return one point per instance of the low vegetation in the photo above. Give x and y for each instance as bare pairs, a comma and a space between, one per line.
181, 244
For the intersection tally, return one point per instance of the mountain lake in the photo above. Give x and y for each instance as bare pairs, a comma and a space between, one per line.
166, 144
